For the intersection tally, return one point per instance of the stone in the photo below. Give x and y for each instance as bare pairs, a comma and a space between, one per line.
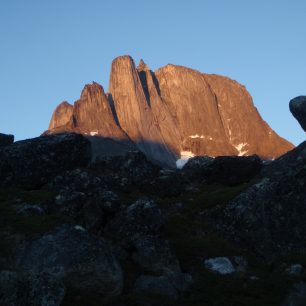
158, 285
297, 295
43, 288
154, 255
297, 107
227, 170
6, 140
170, 285
294, 270
221, 265
140, 219
34, 162
86, 260
27, 210
268, 218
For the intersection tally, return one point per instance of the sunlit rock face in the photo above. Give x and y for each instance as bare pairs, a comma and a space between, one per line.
171, 111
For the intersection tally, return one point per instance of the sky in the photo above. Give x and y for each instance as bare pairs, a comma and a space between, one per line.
50, 49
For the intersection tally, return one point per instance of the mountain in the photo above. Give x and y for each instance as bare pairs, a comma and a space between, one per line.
171, 114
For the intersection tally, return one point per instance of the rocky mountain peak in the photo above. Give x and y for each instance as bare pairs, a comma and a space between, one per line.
142, 66
92, 89
171, 114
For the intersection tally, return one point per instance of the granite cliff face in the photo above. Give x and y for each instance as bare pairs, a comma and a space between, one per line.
172, 113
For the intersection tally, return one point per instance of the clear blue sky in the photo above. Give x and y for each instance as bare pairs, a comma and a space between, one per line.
50, 49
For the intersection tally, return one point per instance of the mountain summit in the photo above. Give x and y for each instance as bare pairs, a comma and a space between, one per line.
172, 113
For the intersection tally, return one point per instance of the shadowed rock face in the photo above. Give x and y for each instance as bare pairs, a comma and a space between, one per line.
298, 109
169, 111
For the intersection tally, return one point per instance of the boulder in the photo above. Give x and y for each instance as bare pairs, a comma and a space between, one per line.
86, 260
268, 218
170, 285
136, 221
6, 140
125, 171
297, 107
37, 288
34, 162
154, 255
296, 296
227, 170
221, 265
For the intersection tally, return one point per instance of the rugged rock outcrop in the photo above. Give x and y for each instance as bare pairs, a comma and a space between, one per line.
85, 259
6, 140
33, 162
171, 112
227, 170
298, 109
269, 217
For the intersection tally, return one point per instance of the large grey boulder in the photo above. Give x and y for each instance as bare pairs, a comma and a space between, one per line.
33, 162
86, 260
297, 107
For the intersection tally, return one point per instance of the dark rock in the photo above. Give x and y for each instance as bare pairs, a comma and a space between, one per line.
168, 184
125, 171
158, 285
30, 210
32, 163
227, 170
6, 140
39, 288
86, 260
78, 180
269, 217
297, 296
170, 285
139, 219
154, 255
298, 109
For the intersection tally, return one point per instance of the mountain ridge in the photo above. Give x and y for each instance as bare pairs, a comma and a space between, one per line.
171, 111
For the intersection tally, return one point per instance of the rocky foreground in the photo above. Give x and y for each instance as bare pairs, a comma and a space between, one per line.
120, 230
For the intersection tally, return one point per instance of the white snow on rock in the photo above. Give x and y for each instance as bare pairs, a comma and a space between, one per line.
196, 136
221, 265
240, 148
185, 155
93, 133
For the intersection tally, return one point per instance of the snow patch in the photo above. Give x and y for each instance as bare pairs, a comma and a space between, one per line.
93, 133
185, 155
240, 148
196, 136
200, 136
